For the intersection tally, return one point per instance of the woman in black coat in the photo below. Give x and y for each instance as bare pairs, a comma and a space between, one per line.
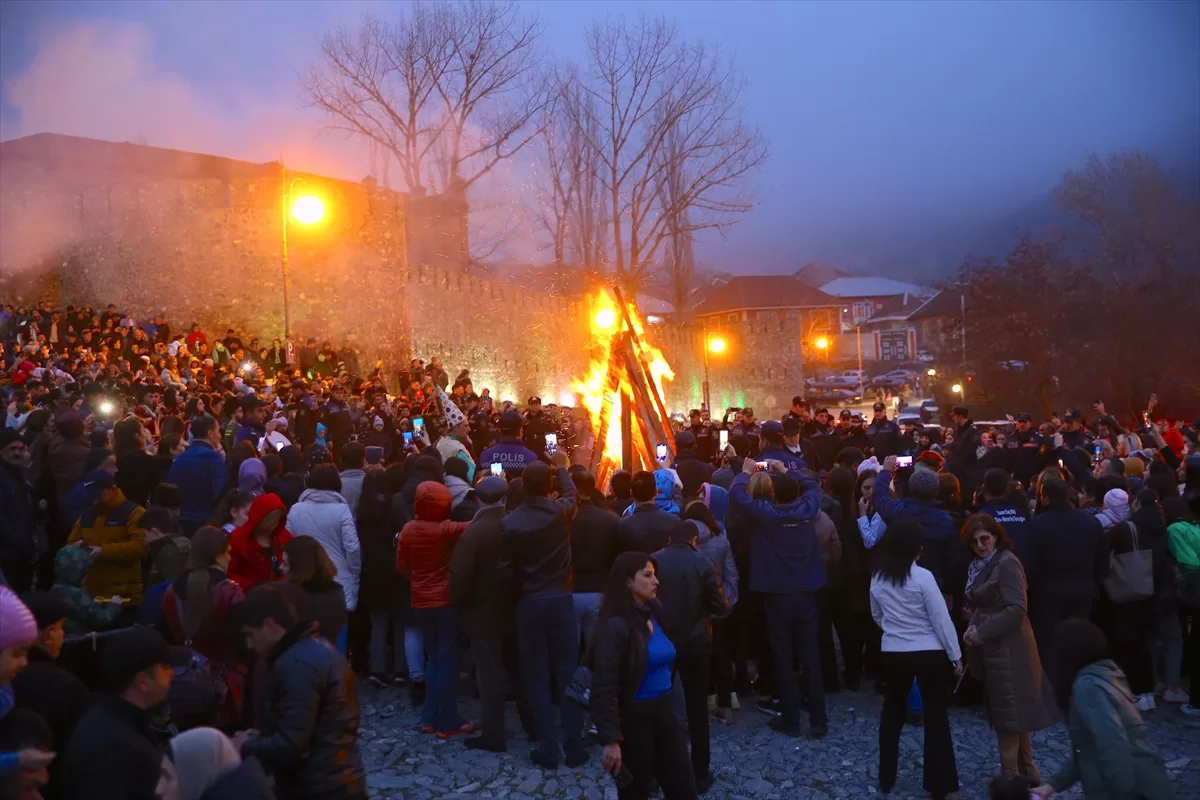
631, 661
307, 565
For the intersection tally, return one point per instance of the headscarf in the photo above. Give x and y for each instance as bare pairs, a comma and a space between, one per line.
252, 476
1116, 508
201, 756
664, 496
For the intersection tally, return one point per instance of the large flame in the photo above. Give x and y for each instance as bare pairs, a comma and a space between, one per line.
606, 321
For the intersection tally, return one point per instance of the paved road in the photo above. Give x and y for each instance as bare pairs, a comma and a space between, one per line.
749, 760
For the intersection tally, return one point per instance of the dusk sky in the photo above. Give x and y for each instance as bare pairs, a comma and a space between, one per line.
898, 131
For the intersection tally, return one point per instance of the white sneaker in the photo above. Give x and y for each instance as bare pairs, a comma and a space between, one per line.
1175, 695
1145, 702
1190, 710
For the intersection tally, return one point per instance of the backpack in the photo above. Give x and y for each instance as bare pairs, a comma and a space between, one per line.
198, 688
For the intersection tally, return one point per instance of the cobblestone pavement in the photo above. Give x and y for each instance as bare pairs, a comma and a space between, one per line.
748, 759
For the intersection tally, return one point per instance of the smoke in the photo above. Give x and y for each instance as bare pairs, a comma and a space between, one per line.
100, 79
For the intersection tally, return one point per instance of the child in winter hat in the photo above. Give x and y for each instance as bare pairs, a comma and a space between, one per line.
18, 630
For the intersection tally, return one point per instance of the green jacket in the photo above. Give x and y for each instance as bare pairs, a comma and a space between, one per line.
71, 566
1114, 758
1184, 541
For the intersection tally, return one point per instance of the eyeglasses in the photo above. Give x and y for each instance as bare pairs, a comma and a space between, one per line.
984, 539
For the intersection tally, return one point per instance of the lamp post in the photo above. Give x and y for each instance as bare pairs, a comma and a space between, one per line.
717, 345
307, 210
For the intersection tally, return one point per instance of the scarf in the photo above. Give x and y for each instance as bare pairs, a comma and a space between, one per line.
664, 482
976, 566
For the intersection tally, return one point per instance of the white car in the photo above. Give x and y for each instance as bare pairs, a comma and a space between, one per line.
850, 377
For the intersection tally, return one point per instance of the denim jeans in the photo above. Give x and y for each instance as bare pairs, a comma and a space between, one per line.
587, 609
409, 638
549, 642
792, 621
439, 629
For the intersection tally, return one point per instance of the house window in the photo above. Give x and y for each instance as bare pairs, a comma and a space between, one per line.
732, 317
862, 310
766, 315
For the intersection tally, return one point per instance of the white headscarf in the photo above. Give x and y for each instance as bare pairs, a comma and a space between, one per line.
201, 756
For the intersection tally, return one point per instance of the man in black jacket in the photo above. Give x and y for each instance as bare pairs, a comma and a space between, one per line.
57, 696
1069, 563
537, 548
691, 596
648, 528
310, 743
113, 753
962, 453
593, 550
481, 587
17, 548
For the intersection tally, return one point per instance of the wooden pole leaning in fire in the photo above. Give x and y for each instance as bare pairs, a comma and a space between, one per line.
609, 392
649, 425
657, 407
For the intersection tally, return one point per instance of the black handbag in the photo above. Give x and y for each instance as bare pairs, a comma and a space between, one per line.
579, 690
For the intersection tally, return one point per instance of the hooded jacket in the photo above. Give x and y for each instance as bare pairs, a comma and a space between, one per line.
459, 489
1112, 752
325, 516
941, 553
249, 563
426, 546
114, 529
716, 547
71, 566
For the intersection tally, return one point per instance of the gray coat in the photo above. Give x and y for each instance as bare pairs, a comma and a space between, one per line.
717, 548
1020, 698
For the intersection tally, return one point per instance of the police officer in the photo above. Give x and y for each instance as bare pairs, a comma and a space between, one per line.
748, 427
801, 411
706, 440
883, 434
508, 450
774, 447
825, 441
853, 434
1074, 433
537, 424
1024, 446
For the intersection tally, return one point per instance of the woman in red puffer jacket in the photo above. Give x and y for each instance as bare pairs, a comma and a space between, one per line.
423, 554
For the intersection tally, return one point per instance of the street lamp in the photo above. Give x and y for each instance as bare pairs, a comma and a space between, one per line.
931, 372
717, 345
307, 210
956, 388
822, 343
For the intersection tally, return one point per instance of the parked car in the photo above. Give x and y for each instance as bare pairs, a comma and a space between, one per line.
849, 377
836, 395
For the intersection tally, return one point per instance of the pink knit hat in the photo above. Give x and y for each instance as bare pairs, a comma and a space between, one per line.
17, 625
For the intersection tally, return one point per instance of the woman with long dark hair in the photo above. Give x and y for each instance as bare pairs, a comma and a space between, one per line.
195, 609
631, 661
382, 595
1111, 752
307, 565
919, 641
854, 595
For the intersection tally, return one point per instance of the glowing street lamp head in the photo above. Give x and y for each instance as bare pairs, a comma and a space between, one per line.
308, 210
956, 388
931, 372
606, 318
716, 345
822, 343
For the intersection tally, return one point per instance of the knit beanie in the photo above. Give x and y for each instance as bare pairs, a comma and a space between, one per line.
923, 484
17, 624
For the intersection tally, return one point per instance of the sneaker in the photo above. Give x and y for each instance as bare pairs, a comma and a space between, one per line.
712, 703
378, 681
725, 715
401, 680
1145, 702
465, 728
733, 702
542, 761
483, 743
776, 724
770, 706
1190, 710
1175, 695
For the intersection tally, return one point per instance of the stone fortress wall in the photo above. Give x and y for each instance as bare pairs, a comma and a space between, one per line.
198, 238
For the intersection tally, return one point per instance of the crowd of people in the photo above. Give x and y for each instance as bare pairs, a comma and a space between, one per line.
206, 548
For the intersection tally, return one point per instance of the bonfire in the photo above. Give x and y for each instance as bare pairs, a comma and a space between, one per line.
623, 389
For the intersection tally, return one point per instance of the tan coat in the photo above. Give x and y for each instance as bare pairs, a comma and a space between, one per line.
1020, 698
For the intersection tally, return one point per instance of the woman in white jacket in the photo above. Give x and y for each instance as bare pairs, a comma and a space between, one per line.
323, 514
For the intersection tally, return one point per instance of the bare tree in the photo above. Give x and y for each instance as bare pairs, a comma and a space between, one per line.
1137, 218
680, 259
648, 88
450, 90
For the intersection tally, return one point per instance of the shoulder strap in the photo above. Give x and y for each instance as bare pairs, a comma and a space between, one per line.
1133, 533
